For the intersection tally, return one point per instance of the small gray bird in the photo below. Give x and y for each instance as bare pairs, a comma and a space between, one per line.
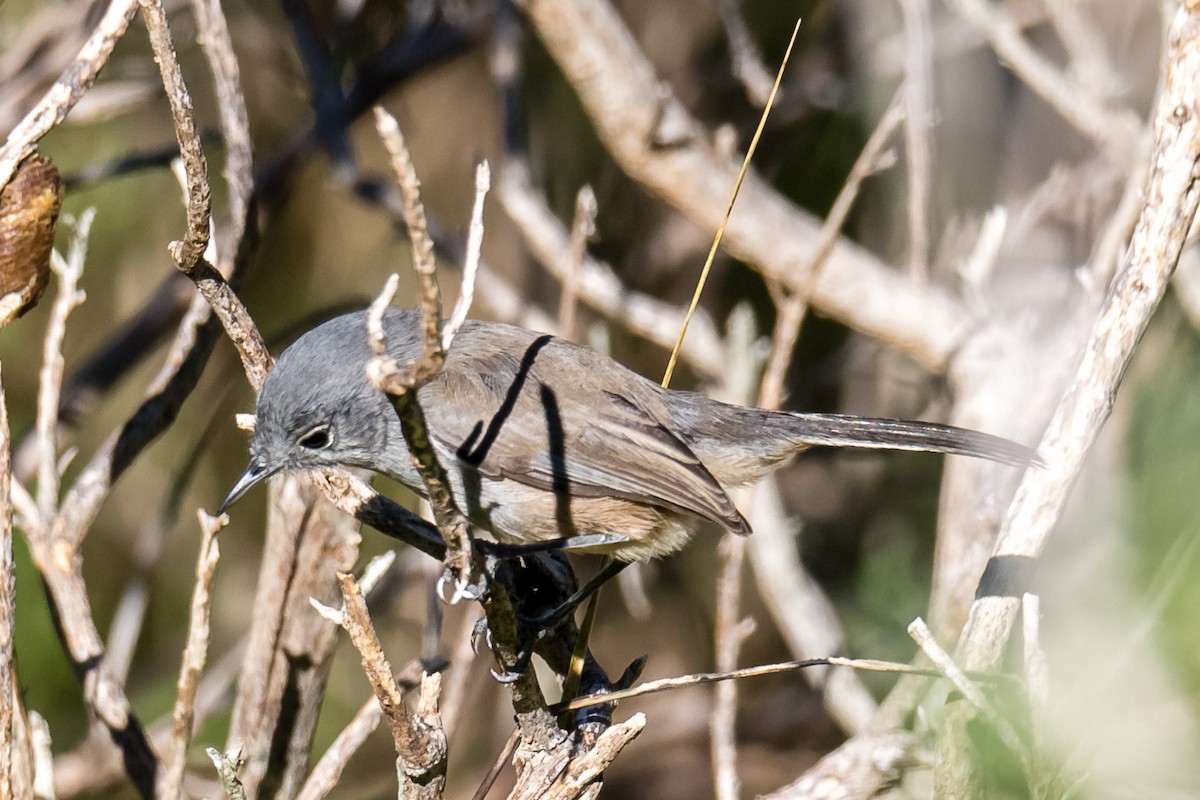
544, 439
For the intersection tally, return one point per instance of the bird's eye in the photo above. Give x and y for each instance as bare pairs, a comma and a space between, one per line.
316, 439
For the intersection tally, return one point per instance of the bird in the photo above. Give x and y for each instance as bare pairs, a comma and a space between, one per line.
544, 440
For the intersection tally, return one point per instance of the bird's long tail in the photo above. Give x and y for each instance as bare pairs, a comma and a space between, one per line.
840, 430
741, 444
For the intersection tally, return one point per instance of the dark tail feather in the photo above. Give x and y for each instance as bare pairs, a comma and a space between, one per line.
838, 430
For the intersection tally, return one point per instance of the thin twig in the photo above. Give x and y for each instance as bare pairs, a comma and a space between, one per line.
8, 589
189, 252
75, 80
730, 629
227, 765
195, 653
212, 34
748, 65
583, 228
598, 286
737, 185
401, 382
792, 312
489, 780
918, 101
69, 270
43, 759
328, 770
1115, 129
701, 678
462, 306
924, 638
419, 738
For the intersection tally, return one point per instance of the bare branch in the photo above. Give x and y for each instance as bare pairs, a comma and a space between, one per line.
1170, 204
189, 253
69, 270
75, 80
462, 306
583, 228
195, 653
627, 105
328, 770
8, 589
1117, 130
419, 737
597, 285
918, 101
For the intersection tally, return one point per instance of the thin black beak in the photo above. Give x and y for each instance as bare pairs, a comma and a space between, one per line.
255, 472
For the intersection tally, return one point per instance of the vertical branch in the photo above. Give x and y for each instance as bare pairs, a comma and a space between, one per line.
419, 738
50, 380
1169, 208
8, 695
730, 629
194, 656
918, 91
582, 229
424, 263
188, 253
401, 383
75, 80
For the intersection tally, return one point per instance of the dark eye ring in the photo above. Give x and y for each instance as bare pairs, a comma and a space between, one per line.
316, 439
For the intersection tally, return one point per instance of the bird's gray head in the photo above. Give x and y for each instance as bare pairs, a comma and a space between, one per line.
317, 408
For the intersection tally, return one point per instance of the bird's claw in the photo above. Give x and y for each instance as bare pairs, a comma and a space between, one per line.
505, 678
464, 588
481, 628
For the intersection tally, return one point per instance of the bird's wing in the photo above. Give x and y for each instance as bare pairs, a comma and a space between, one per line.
548, 414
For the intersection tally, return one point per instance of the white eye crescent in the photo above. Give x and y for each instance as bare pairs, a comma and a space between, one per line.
315, 439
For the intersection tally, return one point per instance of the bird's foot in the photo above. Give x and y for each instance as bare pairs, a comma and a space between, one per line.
460, 585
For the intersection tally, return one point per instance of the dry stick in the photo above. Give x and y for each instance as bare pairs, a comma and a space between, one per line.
801, 610
1084, 42
43, 759
795, 309
227, 765
928, 643
50, 378
619, 91
195, 653
860, 769
328, 770
737, 185
75, 80
918, 101
506, 752
1117, 130
701, 678
466, 293
1171, 200
747, 62
583, 228
189, 253
419, 738
562, 772
729, 628
8, 589
597, 284
54, 546
400, 383
212, 33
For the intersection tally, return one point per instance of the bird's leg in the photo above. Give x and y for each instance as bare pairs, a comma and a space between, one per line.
546, 623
